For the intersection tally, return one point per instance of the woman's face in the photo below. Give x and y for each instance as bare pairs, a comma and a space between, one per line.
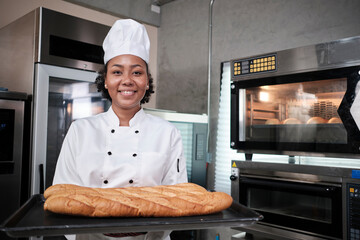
127, 81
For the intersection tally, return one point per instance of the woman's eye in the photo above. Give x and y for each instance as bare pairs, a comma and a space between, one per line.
137, 73
116, 72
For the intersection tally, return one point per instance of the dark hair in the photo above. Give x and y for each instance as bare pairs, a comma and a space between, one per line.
100, 84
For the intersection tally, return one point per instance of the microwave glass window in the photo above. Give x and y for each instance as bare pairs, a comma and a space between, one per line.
7, 118
296, 112
290, 204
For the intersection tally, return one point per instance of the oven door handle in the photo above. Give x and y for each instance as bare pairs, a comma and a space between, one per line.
288, 185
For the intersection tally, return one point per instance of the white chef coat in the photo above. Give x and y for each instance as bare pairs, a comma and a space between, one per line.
98, 152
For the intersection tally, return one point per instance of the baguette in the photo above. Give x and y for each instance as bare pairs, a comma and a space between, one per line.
184, 199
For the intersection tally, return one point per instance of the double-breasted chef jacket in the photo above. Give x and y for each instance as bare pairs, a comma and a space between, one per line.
98, 152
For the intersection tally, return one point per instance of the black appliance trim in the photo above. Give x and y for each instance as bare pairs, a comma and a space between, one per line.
72, 49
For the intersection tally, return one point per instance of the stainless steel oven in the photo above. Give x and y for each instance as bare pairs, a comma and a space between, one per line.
302, 102
299, 101
14, 159
299, 201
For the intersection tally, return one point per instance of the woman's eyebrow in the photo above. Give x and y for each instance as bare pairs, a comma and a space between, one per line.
132, 66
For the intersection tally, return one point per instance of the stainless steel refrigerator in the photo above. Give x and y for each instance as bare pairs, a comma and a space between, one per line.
54, 59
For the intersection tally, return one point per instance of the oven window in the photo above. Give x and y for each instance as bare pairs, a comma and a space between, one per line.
301, 112
308, 207
290, 204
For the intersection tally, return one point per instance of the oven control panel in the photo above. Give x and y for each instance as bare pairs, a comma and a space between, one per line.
353, 211
258, 64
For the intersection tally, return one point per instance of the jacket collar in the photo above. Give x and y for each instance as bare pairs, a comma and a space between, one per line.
114, 120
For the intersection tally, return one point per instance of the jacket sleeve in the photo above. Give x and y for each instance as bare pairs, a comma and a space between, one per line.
176, 164
66, 171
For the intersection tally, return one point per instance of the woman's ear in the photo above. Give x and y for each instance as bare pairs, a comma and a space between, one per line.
105, 85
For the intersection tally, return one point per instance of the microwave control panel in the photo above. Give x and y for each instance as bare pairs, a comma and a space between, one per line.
259, 64
353, 211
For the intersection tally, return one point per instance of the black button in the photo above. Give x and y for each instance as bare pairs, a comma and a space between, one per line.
131, 181
109, 153
106, 182
134, 155
137, 131
112, 130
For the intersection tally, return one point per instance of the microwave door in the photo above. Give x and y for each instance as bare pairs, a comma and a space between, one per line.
62, 95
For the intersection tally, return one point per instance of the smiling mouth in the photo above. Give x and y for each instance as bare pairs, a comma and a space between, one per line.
127, 92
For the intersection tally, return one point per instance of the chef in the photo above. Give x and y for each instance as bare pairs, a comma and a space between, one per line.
123, 147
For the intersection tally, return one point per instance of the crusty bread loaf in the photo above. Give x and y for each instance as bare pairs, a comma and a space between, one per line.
272, 121
335, 120
316, 120
291, 121
185, 199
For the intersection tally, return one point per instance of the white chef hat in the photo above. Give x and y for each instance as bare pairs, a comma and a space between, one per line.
127, 36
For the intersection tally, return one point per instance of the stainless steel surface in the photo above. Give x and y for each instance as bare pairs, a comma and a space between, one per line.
242, 114
69, 27
336, 54
19, 36
294, 171
33, 37
211, 4
29, 38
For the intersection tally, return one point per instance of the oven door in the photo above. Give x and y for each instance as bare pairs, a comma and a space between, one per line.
62, 95
302, 207
310, 112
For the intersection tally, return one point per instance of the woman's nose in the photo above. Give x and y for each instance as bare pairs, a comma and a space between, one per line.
126, 80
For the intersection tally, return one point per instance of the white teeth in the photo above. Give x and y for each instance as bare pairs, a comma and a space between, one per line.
127, 92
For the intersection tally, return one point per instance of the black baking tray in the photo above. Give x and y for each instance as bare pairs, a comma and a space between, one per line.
32, 220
